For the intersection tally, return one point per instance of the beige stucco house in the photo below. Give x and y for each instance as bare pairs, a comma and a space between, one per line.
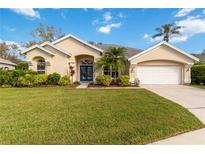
160, 64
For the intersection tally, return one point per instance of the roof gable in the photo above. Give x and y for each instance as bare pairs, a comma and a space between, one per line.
38, 47
55, 47
74, 37
167, 44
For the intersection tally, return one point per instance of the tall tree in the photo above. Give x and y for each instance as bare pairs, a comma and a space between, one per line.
9, 51
166, 31
203, 52
114, 59
44, 33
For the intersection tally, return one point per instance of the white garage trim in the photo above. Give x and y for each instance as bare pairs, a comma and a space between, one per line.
167, 44
159, 74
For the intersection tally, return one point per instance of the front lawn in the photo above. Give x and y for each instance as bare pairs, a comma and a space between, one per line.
62, 115
198, 86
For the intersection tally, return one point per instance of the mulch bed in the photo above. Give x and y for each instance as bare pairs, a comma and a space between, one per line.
110, 86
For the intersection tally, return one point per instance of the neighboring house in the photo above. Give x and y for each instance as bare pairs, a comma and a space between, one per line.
7, 64
200, 56
160, 64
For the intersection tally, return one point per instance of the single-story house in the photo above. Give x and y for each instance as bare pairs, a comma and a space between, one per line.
7, 64
162, 63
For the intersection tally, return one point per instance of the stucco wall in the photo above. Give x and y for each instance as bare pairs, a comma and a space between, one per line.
78, 49
165, 56
60, 62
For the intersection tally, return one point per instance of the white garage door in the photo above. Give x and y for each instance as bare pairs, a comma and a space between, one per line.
159, 74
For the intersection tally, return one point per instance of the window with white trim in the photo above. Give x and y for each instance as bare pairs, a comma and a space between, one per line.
41, 66
110, 72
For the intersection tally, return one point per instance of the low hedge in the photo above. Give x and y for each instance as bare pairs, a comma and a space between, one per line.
29, 78
53, 78
40, 79
123, 80
65, 80
198, 74
104, 80
26, 80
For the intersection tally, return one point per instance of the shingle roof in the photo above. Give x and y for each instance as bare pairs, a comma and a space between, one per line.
200, 56
5, 61
129, 51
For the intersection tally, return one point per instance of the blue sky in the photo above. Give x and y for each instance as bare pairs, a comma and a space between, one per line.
129, 27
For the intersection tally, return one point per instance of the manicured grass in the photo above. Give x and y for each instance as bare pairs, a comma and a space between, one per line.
198, 86
61, 115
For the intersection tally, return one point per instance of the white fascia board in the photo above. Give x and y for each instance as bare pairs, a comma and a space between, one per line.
39, 47
169, 45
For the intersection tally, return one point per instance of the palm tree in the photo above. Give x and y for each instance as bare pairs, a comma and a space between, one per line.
166, 31
114, 59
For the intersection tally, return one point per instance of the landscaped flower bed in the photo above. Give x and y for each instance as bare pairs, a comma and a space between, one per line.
29, 78
107, 81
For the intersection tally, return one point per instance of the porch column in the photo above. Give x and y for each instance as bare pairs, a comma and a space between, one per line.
187, 72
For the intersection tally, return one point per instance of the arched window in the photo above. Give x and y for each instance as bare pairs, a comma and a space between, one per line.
6, 68
86, 62
41, 66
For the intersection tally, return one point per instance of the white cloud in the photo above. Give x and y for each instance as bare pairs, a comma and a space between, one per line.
149, 38
12, 42
107, 28
107, 16
29, 12
184, 12
121, 15
192, 26
95, 22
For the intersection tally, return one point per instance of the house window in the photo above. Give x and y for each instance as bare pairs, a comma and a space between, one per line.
86, 62
110, 72
6, 68
41, 67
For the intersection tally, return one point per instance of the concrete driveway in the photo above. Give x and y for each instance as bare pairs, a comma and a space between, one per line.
189, 97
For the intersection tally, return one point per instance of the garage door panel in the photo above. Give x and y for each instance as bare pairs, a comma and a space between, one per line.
159, 74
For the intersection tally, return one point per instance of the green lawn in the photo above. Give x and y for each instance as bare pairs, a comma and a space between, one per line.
198, 86
62, 115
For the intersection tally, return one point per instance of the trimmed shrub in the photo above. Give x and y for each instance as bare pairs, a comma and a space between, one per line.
5, 77
26, 80
22, 65
103, 80
53, 78
18, 73
198, 74
65, 80
40, 79
124, 80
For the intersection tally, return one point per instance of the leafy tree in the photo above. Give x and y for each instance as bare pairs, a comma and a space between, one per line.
166, 31
9, 51
4, 48
114, 59
203, 52
22, 65
44, 33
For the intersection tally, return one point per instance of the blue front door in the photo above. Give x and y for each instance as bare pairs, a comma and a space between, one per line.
86, 73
